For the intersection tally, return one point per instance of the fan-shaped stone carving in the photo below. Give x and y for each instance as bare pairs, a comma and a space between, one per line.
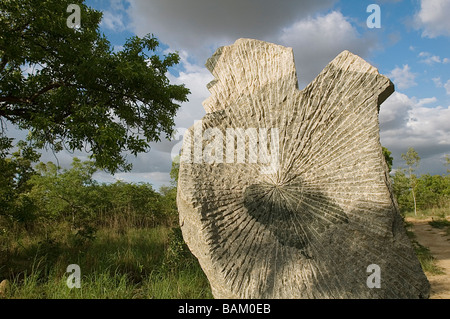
285, 193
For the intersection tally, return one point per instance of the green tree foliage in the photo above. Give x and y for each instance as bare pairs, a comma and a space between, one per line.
175, 170
423, 192
136, 204
432, 191
169, 202
68, 195
412, 160
15, 173
70, 89
40, 198
387, 156
402, 190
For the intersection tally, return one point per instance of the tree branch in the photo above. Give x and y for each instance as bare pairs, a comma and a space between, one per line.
8, 113
49, 87
30, 100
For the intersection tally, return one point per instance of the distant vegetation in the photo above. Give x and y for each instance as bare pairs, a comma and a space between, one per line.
125, 237
429, 194
69, 89
422, 196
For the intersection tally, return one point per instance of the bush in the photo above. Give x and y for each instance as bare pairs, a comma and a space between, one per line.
431, 191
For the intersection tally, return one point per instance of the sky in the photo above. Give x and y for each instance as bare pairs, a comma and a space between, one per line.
411, 47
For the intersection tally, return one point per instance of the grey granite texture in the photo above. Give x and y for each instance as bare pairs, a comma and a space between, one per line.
309, 221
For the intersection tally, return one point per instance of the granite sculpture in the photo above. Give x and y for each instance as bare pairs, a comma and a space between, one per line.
285, 193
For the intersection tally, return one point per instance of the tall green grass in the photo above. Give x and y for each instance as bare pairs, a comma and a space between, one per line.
436, 212
125, 264
438, 215
121, 262
426, 259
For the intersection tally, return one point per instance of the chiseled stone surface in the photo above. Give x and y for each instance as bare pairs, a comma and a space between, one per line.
311, 227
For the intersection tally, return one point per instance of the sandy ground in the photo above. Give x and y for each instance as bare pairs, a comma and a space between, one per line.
439, 245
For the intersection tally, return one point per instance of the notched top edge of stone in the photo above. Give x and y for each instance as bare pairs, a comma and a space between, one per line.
212, 61
217, 65
354, 63
234, 65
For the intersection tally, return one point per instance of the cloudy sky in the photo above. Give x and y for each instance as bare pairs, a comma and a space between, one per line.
412, 48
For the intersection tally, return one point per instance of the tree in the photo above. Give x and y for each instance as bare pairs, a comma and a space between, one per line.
175, 170
431, 191
402, 190
387, 156
412, 160
15, 173
70, 89
66, 195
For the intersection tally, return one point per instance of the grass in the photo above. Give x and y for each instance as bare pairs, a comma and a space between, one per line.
438, 220
130, 264
441, 223
435, 212
124, 262
426, 259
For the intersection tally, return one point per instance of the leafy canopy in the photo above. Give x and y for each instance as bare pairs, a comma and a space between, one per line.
411, 158
71, 90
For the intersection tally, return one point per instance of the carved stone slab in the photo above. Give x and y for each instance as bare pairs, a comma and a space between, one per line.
285, 193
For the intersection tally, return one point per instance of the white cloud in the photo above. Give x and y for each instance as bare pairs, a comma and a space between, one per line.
316, 41
403, 78
437, 82
409, 122
199, 26
430, 124
433, 18
447, 87
393, 110
429, 58
113, 21
31, 69
426, 101
195, 78
115, 17
118, 48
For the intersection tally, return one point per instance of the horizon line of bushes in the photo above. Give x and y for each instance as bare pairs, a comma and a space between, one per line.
414, 192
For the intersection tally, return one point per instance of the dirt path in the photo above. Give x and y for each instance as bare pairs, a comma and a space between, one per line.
439, 245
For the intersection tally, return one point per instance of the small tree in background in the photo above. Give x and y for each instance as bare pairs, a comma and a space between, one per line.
412, 160
175, 170
68, 195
